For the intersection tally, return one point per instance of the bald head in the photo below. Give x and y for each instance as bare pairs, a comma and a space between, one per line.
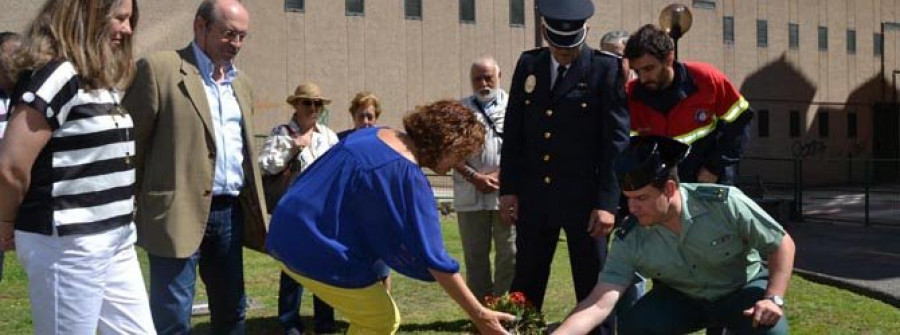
220, 27
485, 76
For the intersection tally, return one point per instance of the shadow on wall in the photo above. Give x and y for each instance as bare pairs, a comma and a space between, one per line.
779, 82
878, 98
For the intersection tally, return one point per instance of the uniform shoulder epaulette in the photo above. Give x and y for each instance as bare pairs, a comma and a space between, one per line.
534, 51
628, 224
712, 193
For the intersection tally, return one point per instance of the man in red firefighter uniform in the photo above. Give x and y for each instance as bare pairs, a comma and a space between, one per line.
692, 102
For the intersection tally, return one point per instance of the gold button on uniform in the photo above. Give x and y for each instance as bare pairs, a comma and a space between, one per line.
546, 158
549, 112
547, 180
547, 135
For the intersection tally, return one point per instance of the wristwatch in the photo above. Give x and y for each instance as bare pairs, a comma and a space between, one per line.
777, 299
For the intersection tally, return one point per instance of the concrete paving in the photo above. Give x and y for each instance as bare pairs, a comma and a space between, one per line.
860, 259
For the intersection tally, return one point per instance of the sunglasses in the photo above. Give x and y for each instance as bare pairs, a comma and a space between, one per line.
311, 103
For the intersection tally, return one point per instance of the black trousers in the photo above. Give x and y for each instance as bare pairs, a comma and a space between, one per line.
537, 237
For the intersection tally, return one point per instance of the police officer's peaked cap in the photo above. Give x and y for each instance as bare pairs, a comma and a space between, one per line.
648, 159
564, 20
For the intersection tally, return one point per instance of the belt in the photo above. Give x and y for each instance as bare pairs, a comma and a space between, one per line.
224, 200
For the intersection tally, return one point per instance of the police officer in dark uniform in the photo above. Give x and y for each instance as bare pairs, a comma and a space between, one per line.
565, 124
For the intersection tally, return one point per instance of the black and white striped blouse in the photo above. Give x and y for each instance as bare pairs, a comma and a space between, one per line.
83, 180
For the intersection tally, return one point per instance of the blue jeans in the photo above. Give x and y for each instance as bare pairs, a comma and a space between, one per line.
220, 259
289, 294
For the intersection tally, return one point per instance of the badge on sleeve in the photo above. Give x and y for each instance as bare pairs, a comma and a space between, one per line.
530, 83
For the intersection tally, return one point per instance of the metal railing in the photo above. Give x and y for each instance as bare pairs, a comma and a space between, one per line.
884, 190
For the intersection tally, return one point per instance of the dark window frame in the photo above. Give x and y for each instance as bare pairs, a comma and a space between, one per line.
793, 36
823, 38
465, 5
355, 7
762, 123
704, 4
878, 45
295, 6
762, 33
410, 7
728, 29
823, 123
794, 124
851, 41
517, 13
852, 125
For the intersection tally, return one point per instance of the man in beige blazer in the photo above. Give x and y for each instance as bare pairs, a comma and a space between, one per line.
199, 192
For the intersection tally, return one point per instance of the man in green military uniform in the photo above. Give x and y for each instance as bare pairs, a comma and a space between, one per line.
702, 243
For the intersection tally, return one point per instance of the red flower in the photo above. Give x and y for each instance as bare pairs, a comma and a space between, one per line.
517, 298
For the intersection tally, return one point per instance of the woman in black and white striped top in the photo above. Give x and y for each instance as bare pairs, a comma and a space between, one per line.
67, 163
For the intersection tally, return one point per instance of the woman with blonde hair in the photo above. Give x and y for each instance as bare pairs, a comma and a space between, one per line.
66, 171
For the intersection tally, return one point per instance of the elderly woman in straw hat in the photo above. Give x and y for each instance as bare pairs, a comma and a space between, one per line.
294, 146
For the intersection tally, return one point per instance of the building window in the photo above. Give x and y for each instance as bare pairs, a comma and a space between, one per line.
851, 41
356, 7
728, 29
762, 120
705, 4
762, 33
517, 13
823, 124
794, 36
412, 9
823, 38
294, 5
795, 124
851, 125
467, 11
878, 44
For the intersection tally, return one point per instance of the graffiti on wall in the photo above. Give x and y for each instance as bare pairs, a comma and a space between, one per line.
808, 148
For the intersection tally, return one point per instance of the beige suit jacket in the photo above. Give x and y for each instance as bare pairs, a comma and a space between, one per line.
176, 153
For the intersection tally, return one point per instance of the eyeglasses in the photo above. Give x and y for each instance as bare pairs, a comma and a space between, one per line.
311, 103
234, 35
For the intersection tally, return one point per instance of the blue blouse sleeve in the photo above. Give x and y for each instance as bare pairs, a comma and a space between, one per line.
418, 245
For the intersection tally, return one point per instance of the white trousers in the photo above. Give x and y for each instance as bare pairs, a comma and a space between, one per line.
85, 284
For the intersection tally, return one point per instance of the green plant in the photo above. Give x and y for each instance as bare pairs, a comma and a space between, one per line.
529, 320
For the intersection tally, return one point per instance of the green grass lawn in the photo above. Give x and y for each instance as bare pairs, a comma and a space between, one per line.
813, 308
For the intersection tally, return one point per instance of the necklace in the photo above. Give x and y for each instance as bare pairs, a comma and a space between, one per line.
117, 110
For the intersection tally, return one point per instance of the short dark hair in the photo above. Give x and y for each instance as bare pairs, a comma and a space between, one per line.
208, 11
660, 184
649, 40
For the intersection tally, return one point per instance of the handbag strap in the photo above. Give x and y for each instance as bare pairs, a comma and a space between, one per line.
486, 117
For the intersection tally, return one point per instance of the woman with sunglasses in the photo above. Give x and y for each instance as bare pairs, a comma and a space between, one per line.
291, 148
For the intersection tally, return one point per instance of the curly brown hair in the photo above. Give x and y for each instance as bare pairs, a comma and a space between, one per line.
443, 128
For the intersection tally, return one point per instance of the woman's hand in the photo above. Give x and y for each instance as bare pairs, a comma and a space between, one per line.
488, 321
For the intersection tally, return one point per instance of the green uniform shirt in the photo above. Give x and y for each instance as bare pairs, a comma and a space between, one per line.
722, 236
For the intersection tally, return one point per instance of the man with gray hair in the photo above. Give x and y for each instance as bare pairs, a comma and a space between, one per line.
193, 212
613, 43
475, 186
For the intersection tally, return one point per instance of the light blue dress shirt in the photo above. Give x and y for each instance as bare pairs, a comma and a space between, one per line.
227, 123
